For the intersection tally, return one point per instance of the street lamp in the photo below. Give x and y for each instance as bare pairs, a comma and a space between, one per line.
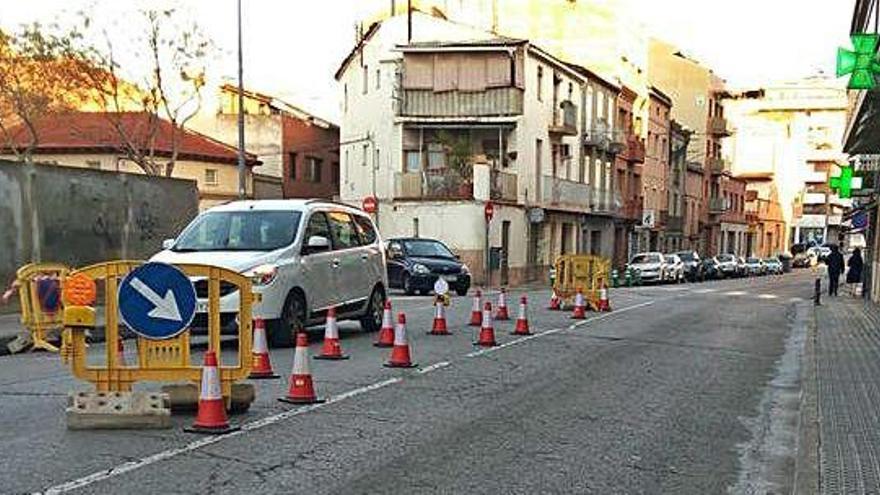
242, 179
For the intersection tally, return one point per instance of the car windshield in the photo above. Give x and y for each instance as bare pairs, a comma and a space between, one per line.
646, 258
753, 260
771, 260
427, 249
670, 258
686, 256
725, 257
239, 231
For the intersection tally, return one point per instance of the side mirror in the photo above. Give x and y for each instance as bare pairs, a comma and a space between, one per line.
458, 257
168, 243
317, 244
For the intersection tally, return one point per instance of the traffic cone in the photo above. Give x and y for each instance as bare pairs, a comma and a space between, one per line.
439, 327
579, 306
555, 304
501, 311
522, 321
487, 330
386, 333
301, 389
331, 348
261, 368
476, 315
400, 353
604, 304
211, 417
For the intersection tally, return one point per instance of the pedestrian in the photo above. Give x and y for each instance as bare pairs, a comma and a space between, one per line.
834, 261
854, 274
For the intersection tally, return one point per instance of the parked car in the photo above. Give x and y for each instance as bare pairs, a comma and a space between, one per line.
710, 269
774, 266
741, 269
302, 256
673, 268
755, 267
801, 260
728, 264
649, 265
692, 265
415, 264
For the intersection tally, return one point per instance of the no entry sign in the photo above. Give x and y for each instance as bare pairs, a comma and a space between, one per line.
489, 211
369, 204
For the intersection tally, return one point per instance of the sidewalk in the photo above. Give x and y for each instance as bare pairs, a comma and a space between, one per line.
842, 396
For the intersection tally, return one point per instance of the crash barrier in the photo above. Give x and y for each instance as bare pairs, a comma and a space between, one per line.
587, 273
39, 293
160, 316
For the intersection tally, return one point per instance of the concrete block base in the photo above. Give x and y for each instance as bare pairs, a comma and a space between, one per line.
184, 397
117, 410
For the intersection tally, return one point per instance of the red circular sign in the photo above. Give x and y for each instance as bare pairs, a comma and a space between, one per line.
370, 204
489, 211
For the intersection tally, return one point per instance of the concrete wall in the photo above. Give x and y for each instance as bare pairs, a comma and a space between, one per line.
80, 216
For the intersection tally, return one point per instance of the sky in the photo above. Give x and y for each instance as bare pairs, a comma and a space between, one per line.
293, 47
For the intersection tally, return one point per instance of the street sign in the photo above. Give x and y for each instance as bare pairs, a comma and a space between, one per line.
489, 211
441, 287
79, 290
370, 204
536, 215
648, 219
157, 301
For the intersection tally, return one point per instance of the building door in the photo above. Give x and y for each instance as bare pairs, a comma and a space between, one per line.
505, 250
534, 237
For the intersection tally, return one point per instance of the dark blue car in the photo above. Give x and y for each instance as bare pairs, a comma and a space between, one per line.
415, 264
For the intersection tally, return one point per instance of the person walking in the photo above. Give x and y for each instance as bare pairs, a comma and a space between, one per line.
835, 268
854, 274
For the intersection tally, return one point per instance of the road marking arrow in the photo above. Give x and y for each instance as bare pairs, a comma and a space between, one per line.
165, 307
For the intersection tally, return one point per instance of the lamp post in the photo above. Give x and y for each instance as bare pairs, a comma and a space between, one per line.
242, 178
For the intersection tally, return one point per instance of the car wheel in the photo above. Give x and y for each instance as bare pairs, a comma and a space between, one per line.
407, 285
372, 319
282, 332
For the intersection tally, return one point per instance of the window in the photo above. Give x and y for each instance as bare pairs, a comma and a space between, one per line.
342, 228
211, 176
412, 161
436, 156
313, 169
365, 77
540, 83
378, 78
291, 174
365, 153
345, 98
317, 226
94, 164
365, 228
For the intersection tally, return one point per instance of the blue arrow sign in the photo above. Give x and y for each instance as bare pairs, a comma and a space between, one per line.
157, 301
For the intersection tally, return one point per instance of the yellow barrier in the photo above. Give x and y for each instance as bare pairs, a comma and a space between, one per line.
580, 271
158, 360
34, 317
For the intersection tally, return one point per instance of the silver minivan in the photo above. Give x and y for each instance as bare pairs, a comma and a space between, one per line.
303, 257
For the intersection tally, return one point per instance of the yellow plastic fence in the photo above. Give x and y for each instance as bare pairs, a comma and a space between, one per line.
166, 360
581, 271
41, 310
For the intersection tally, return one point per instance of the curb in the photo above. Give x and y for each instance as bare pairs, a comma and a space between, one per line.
806, 468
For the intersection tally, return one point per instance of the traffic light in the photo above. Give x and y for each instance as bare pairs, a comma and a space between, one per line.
860, 63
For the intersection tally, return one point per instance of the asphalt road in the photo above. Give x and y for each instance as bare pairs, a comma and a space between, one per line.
682, 389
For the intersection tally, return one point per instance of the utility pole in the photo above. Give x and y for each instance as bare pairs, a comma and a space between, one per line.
242, 177
408, 21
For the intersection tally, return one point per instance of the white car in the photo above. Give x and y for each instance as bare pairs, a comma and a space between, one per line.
303, 257
673, 268
649, 266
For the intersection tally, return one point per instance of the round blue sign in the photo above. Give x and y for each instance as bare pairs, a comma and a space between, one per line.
157, 301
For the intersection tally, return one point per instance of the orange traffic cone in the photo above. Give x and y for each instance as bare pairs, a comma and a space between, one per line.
386, 333
211, 417
331, 348
400, 353
501, 311
261, 368
604, 304
555, 304
579, 306
487, 330
522, 321
439, 327
476, 315
301, 391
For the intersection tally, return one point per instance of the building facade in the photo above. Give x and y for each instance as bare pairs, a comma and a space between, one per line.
629, 167
655, 177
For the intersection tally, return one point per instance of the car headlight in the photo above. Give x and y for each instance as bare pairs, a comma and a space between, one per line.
465, 269
262, 274
421, 269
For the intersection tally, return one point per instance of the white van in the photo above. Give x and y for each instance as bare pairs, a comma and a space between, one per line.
303, 256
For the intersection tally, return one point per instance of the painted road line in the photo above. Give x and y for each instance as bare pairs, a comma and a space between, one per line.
206, 441
433, 367
768, 296
735, 293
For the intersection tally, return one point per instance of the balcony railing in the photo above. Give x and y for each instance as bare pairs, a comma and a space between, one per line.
816, 178
718, 126
718, 165
674, 224
495, 102
565, 119
632, 209
565, 194
440, 184
824, 155
503, 186
606, 202
814, 198
718, 205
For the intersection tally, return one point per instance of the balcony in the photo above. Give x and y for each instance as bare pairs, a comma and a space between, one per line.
605, 202
718, 166
635, 149
824, 155
816, 178
632, 209
432, 184
812, 198
503, 186
565, 120
718, 126
494, 102
718, 205
674, 224
695, 166
565, 194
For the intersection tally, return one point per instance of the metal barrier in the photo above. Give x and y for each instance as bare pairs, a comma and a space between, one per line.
166, 360
39, 292
579, 271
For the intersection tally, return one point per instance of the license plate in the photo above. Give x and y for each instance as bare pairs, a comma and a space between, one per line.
202, 307
450, 278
